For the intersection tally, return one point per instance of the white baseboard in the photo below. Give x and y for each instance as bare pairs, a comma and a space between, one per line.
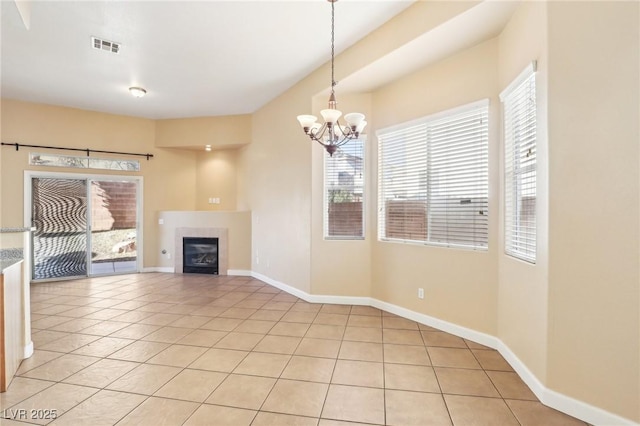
566, 404
582, 410
166, 269
171, 270
458, 330
312, 298
549, 397
284, 287
239, 272
341, 300
28, 350
571, 406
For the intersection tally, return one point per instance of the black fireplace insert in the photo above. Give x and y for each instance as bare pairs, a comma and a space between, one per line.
200, 255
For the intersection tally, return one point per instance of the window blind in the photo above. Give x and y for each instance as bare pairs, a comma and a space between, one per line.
344, 192
519, 106
433, 179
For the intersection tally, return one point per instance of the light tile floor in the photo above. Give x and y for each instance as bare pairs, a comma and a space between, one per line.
150, 349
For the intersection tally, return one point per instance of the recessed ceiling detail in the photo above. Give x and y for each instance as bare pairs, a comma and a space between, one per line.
106, 45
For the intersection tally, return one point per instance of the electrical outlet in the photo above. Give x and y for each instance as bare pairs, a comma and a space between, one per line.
421, 293
168, 255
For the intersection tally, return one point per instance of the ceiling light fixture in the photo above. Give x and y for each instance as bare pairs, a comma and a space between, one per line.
207, 147
137, 92
332, 135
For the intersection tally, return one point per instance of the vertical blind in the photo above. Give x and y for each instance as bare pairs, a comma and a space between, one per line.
344, 192
433, 179
519, 105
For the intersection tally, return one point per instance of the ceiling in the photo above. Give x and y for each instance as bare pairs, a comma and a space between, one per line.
482, 22
200, 58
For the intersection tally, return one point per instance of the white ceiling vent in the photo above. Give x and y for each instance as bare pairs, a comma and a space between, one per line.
106, 45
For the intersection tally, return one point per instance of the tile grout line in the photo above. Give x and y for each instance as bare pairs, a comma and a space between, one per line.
162, 293
286, 365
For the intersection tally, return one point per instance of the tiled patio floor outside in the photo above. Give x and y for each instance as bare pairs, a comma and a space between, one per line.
151, 349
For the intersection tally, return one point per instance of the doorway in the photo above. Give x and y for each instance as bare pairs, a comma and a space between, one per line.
84, 226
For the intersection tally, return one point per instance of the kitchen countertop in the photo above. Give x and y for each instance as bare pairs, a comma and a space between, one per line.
10, 230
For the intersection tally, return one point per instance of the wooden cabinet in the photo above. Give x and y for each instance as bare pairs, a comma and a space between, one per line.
11, 323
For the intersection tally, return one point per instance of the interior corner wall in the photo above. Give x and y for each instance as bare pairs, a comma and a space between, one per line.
523, 287
169, 177
216, 177
341, 267
275, 185
280, 196
594, 282
461, 286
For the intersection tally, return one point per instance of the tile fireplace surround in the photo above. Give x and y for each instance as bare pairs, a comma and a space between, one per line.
223, 241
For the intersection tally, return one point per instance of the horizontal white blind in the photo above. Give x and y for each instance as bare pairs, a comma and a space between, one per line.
520, 169
458, 179
433, 180
344, 192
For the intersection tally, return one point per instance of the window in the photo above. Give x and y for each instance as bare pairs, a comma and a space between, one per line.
433, 179
344, 190
55, 160
519, 105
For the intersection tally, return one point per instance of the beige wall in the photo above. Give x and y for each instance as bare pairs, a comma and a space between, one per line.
340, 267
169, 177
274, 179
461, 286
523, 287
572, 319
485, 291
276, 187
594, 345
216, 177
225, 132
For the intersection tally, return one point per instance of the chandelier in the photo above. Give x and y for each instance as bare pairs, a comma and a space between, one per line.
332, 134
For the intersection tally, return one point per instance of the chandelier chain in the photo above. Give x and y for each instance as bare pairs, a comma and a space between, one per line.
333, 80
332, 134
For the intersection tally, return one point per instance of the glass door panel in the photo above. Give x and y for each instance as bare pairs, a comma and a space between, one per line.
113, 226
59, 215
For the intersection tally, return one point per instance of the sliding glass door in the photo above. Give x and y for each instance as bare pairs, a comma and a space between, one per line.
113, 235
59, 215
84, 226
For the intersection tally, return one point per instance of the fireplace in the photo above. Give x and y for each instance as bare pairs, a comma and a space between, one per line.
200, 255
221, 234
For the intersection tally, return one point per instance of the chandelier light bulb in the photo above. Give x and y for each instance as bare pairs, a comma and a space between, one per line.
354, 119
331, 115
307, 121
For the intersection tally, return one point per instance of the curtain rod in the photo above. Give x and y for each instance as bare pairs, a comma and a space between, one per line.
86, 150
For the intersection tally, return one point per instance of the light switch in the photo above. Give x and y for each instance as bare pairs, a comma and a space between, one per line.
160, 221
